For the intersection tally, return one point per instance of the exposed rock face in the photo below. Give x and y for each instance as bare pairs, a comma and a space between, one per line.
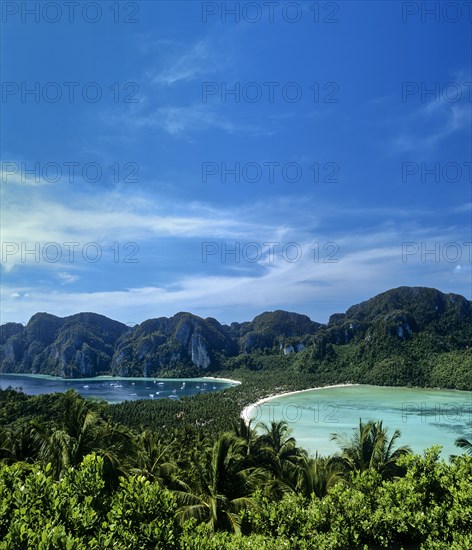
253, 341
183, 340
199, 352
76, 346
8, 330
13, 350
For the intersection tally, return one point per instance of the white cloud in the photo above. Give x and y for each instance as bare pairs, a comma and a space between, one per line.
109, 218
198, 60
368, 264
22, 173
67, 277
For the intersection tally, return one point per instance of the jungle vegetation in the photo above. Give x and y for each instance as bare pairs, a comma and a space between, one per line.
73, 476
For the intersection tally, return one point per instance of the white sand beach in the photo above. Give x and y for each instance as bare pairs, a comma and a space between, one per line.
231, 381
246, 413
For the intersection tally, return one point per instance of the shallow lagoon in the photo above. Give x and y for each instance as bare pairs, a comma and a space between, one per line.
424, 416
114, 389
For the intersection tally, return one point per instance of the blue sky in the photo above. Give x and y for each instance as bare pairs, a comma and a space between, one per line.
161, 157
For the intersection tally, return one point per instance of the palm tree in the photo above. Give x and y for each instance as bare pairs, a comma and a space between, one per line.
246, 432
370, 448
19, 443
223, 485
276, 450
316, 476
83, 431
465, 444
278, 438
156, 460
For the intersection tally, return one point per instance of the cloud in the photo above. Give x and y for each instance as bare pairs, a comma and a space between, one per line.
466, 207
369, 242
24, 174
67, 277
173, 113
118, 216
424, 128
316, 284
198, 60
461, 268
69, 222
181, 121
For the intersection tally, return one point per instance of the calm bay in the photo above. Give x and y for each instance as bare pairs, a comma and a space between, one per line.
114, 389
425, 417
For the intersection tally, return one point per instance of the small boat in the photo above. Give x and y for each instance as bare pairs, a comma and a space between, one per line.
161, 383
151, 395
86, 386
173, 397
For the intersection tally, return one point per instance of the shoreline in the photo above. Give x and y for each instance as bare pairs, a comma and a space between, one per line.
248, 409
111, 377
230, 380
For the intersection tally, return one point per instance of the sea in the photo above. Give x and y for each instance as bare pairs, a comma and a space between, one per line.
114, 389
425, 417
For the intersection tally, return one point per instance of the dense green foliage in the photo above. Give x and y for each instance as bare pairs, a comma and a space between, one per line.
72, 477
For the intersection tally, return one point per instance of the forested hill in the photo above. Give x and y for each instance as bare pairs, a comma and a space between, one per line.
404, 335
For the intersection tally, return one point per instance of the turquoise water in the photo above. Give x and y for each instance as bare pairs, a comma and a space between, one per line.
425, 417
113, 389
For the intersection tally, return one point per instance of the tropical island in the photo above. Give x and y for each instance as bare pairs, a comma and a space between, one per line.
404, 336
192, 474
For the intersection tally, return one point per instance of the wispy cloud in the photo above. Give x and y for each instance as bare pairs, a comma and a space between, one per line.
193, 62
324, 278
315, 287
207, 58
426, 127
195, 118
23, 173
112, 217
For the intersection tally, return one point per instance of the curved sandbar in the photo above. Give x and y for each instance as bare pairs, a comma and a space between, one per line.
248, 410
